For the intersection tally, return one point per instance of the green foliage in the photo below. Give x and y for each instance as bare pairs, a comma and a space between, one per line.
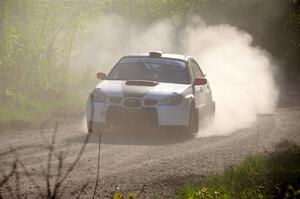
151, 11
25, 111
118, 195
38, 39
190, 192
259, 176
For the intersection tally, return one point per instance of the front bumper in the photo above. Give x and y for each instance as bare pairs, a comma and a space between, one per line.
106, 114
118, 116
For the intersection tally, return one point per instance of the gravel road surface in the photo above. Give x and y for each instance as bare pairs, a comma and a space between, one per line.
144, 162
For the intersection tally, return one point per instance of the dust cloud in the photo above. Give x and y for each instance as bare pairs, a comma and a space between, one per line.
240, 74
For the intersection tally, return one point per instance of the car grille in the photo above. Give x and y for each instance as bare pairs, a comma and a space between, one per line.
115, 100
133, 103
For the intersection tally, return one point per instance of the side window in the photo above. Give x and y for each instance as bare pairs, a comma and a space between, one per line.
197, 69
192, 70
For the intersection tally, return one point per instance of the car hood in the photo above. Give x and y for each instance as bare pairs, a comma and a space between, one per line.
119, 88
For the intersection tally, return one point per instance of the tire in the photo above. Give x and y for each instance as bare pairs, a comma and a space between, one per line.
193, 121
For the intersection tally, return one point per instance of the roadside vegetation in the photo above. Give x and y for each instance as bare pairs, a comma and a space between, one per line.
39, 40
269, 175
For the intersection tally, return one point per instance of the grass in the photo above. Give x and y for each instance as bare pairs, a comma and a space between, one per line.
24, 111
272, 175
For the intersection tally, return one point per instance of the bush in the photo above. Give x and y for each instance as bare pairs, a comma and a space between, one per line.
273, 175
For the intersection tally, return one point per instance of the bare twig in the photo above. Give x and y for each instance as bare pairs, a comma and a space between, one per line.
17, 174
71, 168
61, 192
61, 28
9, 175
10, 192
17, 181
58, 174
60, 177
98, 166
28, 175
81, 190
49, 162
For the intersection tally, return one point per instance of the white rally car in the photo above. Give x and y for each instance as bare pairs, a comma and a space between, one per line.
151, 90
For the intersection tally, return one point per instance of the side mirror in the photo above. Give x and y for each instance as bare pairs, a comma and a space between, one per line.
101, 76
200, 81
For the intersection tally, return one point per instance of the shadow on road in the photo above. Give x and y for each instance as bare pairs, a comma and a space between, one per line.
124, 136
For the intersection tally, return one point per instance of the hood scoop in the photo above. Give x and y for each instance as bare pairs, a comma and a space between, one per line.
140, 83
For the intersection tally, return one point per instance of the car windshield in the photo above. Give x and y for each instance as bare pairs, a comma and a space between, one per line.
153, 69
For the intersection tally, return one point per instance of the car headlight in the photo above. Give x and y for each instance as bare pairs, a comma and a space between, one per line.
171, 101
98, 96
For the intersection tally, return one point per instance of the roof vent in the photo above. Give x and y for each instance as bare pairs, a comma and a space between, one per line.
155, 54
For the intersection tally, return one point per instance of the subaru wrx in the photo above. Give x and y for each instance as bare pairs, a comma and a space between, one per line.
151, 90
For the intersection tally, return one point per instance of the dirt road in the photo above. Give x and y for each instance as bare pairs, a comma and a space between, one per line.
155, 162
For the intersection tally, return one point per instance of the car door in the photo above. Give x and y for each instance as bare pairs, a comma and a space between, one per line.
200, 91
